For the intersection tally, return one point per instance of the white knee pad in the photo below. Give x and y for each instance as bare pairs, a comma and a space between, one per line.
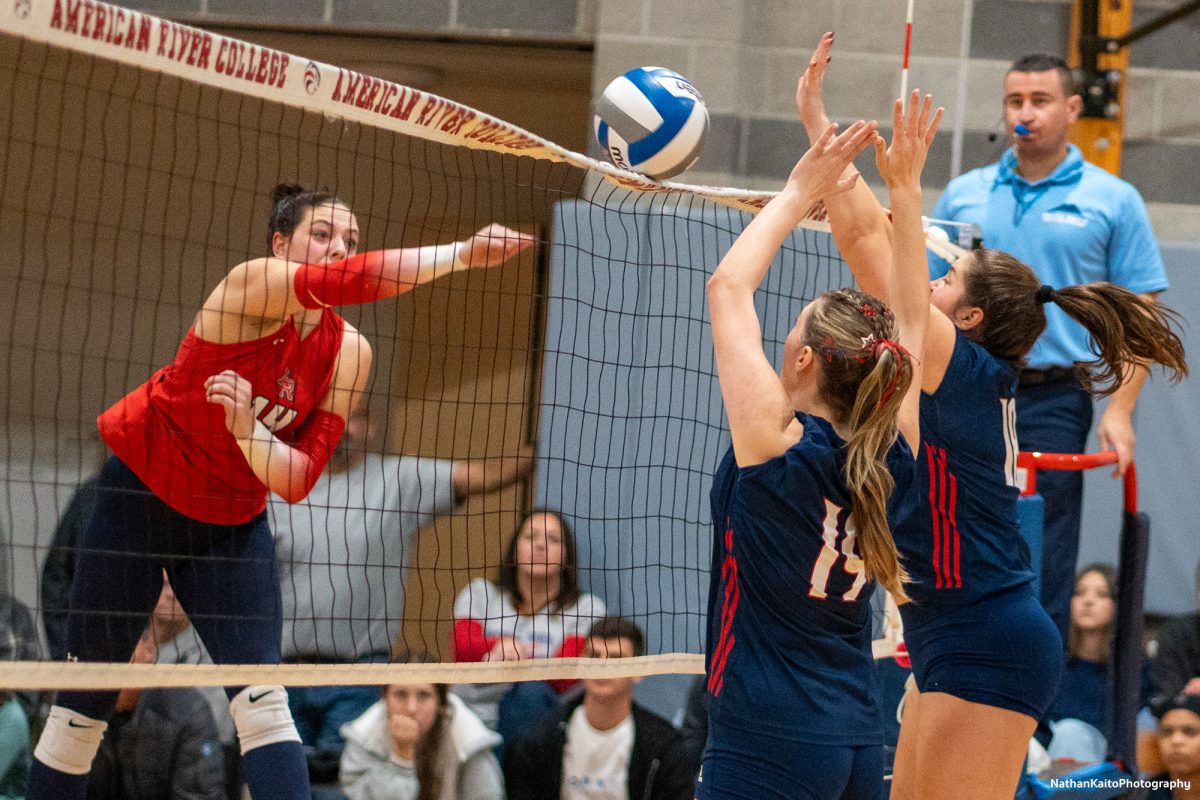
262, 717
69, 741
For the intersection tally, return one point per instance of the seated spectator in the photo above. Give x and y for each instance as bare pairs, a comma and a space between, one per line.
1076, 724
19, 642
160, 743
344, 550
420, 743
602, 746
1176, 664
1179, 743
534, 610
14, 747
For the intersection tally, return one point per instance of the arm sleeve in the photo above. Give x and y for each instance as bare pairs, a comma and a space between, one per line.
316, 438
480, 778
469, 642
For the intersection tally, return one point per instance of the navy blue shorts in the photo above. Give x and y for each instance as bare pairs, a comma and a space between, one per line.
756, 768
1002, 651
224, 576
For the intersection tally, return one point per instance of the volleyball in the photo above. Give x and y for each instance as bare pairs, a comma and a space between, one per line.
651, 120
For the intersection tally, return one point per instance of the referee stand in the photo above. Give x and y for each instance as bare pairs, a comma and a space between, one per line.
1114, 776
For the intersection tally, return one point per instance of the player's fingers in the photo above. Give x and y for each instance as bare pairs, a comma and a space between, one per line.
923, 116
826, 137
934, 124
897, 118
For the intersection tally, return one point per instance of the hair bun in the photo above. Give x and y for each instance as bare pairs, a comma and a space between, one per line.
283, 191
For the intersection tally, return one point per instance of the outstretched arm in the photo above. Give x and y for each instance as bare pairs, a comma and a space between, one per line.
908, 279
262, 292
480, 476
860, 225
761, 418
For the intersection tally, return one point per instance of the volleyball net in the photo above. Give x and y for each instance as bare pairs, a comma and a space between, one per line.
137, 157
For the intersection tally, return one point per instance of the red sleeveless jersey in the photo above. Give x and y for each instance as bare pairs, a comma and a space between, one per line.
176, 441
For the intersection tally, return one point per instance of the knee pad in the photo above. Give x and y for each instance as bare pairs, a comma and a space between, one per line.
69, 741
262, 717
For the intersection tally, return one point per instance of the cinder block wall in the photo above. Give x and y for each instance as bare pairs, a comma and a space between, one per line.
745, 56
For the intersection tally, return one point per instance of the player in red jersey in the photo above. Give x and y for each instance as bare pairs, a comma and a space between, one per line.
254, 402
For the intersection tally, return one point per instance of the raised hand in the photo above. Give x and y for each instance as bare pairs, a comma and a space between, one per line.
810, 98
913, 131
235, 395
404, 732
819, 171
492, 246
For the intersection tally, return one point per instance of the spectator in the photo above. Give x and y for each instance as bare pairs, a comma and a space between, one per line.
1176, 664
420, 743
535, 610
14, 747
19, 642
1074, 224
602, 746
160, 743
1076, 724
344, 550
1179, 742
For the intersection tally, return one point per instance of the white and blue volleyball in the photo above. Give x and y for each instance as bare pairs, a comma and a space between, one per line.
653, 121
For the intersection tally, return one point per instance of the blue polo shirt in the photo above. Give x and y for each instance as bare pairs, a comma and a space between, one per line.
1080, 224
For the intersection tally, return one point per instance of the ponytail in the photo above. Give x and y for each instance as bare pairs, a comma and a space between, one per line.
1127, 329
864, 378
872, 433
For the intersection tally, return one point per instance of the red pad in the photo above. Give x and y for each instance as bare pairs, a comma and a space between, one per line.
348, 282
315, 439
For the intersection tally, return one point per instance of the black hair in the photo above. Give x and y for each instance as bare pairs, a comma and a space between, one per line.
1044, 62
619, 628
568, 586
288, 204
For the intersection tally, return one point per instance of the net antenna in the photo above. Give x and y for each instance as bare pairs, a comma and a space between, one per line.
908, 26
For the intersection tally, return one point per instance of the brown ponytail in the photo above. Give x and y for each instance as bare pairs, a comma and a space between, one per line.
864, 379
1128, 329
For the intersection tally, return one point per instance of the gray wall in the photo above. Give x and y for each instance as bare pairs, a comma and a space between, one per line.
745, 57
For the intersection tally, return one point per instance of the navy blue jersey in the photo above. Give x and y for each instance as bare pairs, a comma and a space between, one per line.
957, 530
789, 642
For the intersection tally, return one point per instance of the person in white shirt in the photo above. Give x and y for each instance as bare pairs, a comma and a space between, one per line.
603, 746
535, 609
